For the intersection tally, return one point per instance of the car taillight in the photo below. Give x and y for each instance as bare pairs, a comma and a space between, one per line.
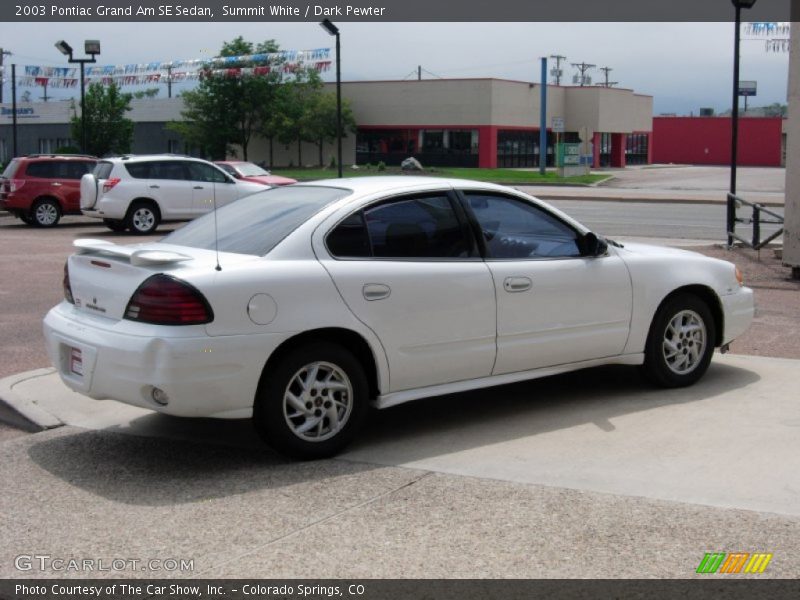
15, 185
165, 300
67, 287
110, 183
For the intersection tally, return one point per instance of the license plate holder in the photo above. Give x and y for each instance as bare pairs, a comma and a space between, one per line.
76, 361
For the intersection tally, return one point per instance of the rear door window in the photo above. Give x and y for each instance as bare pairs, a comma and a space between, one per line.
45, 169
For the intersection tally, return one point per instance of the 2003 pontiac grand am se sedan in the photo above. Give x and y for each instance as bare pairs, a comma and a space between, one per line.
300, 305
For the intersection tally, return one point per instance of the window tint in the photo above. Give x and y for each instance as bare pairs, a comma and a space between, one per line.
516, 229
168, 169
77, 169
103, 169
349, 238
44, 169
257, 223
424, 227
140, 170
202, 172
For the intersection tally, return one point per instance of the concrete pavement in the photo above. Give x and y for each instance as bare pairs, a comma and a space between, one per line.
573, 476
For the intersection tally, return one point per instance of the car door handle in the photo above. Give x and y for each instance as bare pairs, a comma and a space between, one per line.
517, 284
375, 291
198, 187
155, 187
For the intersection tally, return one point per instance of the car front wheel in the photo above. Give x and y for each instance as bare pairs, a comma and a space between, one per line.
46, 213
312, 402
680, 343
142, 218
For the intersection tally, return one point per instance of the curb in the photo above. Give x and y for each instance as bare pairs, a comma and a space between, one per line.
24, 412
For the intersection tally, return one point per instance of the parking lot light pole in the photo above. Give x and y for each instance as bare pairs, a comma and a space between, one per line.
92, 48
731, 205
333, 30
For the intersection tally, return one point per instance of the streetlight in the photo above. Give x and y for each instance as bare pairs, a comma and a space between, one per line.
739, 5
92, 48
333, 30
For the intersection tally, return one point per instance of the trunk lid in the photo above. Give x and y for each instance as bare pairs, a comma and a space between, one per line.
104, 276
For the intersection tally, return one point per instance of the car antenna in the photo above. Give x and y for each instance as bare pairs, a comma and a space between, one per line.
216, 231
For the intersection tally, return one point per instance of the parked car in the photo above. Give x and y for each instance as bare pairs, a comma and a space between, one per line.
247, 171
139, 192
299, 306
40, 188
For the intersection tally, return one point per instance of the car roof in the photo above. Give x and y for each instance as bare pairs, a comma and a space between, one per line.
143, 157
387, 183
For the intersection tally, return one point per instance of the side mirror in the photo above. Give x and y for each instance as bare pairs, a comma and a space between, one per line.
591, 245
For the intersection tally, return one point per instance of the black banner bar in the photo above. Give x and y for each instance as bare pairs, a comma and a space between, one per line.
734, 588
388, 10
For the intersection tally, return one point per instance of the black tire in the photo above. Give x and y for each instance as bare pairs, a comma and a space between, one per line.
679, 357
142, 218
45, 213
280, 423
115, 225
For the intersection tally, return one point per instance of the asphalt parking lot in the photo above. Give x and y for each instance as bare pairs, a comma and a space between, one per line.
577, 476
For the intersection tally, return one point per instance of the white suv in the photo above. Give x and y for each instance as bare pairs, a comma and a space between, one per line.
138, 192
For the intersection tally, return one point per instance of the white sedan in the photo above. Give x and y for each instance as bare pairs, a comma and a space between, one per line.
299, 306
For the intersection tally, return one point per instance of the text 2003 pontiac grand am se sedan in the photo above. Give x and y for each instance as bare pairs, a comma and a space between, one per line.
299, 306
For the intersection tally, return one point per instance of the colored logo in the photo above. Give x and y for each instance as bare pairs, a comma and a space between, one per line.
734, 562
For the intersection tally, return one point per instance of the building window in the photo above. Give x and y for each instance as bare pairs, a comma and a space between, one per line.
517, 149
432, 147
53, 145
636, 145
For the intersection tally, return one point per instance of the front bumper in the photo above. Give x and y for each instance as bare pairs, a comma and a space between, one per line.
202, 376
738, 310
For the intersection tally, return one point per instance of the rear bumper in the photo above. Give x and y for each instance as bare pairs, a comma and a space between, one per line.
202, 376
738, 310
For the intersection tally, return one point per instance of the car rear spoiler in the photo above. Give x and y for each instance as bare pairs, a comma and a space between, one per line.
136, 256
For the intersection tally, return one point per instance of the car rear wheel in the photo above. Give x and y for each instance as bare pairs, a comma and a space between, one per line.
115, 225
46, 213
142, 218
312, 402
681, 342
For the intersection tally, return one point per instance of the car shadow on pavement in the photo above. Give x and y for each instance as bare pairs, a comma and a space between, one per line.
448, 424
173, 461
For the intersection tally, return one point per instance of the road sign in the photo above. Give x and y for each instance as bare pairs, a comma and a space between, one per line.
747, 88
558, 125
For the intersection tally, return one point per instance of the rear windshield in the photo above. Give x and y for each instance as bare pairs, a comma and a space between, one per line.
11, 169
103, 169
256, 224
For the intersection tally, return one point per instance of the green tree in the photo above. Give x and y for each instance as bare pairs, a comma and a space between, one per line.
108, 131
320, 120
228, 110
292, 122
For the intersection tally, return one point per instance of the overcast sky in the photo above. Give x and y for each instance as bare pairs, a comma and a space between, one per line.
685, 66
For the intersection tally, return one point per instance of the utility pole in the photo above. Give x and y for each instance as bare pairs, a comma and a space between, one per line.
557, 72
582, 79
169, 81
3, 53
419, 72
44, 87
606, 82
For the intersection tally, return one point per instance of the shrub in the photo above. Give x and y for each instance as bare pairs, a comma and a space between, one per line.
381, 166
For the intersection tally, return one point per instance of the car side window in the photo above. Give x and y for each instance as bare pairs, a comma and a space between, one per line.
43, 169
349, 238
140, 170
421, 227
168, 169
200, 172
514, 229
